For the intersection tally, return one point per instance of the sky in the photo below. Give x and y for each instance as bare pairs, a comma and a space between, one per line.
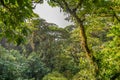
51, 15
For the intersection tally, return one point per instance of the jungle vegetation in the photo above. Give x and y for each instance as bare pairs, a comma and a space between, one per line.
33, 49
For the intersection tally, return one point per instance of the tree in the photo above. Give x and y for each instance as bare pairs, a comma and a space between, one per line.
81, 10
47, 41
14, 18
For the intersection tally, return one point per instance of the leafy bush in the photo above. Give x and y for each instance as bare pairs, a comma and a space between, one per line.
10, 64
84, 75
54, 76
15, 66
35, 69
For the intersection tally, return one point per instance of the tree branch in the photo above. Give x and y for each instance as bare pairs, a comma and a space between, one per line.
114, 14
80, 22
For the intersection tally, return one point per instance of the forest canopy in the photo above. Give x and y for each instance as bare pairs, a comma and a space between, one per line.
33, 49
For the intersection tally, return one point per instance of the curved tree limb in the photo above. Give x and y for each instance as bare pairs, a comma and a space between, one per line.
115, 15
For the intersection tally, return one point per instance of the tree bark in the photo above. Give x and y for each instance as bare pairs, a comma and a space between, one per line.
83, 37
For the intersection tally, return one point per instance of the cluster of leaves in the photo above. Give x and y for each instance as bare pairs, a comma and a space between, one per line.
54, 76
14, 19
15, 66
109, 57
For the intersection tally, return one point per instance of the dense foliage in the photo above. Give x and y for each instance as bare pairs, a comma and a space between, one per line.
87, 50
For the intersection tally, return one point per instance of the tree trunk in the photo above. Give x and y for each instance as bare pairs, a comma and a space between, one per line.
85, 47
83, 37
